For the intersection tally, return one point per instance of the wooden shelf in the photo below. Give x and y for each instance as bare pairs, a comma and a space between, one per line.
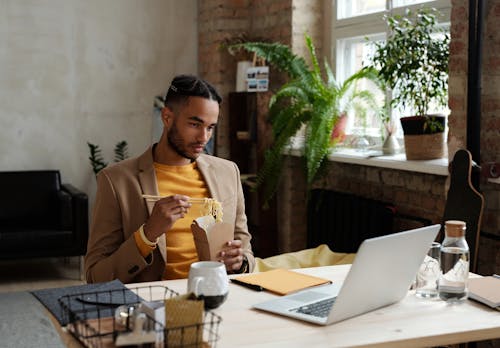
250, 136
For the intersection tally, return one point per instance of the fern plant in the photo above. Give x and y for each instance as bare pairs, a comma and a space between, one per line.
121, 151
307, 99
96, 159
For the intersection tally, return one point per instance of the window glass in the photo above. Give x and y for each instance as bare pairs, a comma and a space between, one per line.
353, 52
399, 3
353, 38
352, 8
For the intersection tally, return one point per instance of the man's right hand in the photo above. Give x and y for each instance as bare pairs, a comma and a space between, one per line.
165, 212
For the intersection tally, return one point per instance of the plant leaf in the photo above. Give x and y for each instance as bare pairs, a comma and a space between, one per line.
278, 55
96, 159
121, 151
307, 99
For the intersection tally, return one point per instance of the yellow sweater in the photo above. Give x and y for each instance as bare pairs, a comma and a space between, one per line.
181, 251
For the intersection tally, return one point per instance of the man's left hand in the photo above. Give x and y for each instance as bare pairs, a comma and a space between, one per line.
232, 255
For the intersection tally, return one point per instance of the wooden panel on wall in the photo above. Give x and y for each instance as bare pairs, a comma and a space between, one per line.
249, 138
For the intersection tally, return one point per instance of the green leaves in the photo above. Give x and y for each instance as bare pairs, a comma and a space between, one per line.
121, 151
96, 159
307, 99
414, 60
277, 54
318, 139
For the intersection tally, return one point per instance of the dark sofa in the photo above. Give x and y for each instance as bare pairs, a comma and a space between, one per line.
40, 217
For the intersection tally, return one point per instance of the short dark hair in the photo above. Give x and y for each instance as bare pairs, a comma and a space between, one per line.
184, 86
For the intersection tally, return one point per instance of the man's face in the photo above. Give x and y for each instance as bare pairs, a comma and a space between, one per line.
191, 125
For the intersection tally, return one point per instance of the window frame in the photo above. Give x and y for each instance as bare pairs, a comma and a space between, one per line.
367, 25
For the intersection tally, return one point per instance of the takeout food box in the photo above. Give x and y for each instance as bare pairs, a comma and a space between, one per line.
210, 236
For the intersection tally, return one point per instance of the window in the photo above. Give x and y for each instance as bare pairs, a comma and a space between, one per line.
356, 25
347, 9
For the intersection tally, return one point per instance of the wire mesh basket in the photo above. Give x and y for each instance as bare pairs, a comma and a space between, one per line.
96, 319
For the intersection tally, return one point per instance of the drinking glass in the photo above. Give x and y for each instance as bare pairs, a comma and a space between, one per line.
428, 273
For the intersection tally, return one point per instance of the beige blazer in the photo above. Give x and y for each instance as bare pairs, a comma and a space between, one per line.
119, 210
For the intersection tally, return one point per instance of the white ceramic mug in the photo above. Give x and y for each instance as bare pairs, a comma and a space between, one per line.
208, 280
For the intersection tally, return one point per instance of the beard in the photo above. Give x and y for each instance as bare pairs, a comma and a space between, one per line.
177, 142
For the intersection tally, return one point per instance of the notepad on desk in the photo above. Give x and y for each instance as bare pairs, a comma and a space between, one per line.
485, 290
280, 281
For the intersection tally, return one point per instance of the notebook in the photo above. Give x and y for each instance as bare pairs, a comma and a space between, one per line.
279, 281
485, 290
380, 275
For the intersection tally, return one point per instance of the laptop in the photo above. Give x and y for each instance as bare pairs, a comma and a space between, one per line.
380, 275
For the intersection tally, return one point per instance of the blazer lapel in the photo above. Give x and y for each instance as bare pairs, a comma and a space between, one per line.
207, 171
147, 177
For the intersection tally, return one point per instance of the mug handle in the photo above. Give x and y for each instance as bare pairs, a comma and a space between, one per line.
196, 284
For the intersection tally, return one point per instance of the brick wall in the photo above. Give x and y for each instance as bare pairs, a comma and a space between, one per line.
489, 248
415, 194
307, 17
221, 20
490, 118
269, 20
419, 195
283, 21
490, 136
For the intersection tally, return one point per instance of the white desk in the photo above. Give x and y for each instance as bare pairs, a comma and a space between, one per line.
413, 322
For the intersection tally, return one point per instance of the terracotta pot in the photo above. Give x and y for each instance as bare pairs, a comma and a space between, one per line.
338, 132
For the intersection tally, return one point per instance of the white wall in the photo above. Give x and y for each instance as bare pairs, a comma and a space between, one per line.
75, 71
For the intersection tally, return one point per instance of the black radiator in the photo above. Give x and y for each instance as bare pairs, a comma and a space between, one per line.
343, 220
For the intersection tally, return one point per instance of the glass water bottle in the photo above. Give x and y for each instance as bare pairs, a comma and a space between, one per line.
454, 260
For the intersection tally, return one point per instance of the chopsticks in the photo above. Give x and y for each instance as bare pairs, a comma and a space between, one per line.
191, 199
210, 205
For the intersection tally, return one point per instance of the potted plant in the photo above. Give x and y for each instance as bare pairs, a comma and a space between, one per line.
413, 62
97, 161
307, 100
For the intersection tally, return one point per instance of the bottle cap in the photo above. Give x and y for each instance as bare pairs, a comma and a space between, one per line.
455, 228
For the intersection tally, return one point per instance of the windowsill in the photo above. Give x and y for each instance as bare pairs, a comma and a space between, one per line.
376, 159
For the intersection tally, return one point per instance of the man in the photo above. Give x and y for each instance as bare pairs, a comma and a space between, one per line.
136, 240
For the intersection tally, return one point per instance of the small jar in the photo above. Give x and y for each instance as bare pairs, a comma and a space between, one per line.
454, 261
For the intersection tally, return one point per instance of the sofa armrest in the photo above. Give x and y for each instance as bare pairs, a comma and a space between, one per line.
73, 191
65, 210
80, 215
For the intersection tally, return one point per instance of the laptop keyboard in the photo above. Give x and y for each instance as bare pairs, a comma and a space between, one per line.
318, 309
